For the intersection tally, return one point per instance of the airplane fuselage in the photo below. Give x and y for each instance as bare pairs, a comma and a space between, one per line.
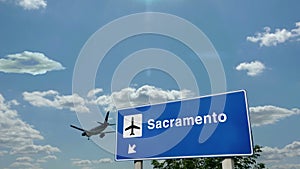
96, 130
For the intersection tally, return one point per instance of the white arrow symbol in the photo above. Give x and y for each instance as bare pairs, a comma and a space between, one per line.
131, 149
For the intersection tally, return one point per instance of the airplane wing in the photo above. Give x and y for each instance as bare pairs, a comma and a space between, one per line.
132, 126
136, 127
77, 128
127, 128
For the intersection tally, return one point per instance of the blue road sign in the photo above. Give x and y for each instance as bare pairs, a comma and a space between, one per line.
210, 126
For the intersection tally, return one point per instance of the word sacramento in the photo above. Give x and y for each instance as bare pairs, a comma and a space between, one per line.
187, 121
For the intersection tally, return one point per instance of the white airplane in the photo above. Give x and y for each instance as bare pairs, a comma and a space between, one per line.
96, 130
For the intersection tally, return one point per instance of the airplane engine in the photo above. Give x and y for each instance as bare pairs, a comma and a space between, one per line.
84, 134
102, 135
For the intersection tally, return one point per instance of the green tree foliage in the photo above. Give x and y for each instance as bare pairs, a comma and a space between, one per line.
248, 162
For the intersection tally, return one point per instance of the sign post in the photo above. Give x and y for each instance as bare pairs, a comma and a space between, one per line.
138, 164
210, 126
228, 163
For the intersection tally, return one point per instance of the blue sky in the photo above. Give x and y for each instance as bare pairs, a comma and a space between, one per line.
41, 42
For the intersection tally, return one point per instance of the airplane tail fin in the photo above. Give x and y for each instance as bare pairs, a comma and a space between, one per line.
106, 117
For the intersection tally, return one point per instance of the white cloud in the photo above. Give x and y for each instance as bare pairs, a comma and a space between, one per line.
25, 165
29, 162
102, 160
90, 163
52, 98
94, 92
146, 94
17, 138
268, 38
32, 4
3, 152
23, 159
28, 4
253, 68
34, 149
265, 115
286, 166
28, 62
14, 131
124, 98
46, 158
81, 163
273, 156
40, 99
